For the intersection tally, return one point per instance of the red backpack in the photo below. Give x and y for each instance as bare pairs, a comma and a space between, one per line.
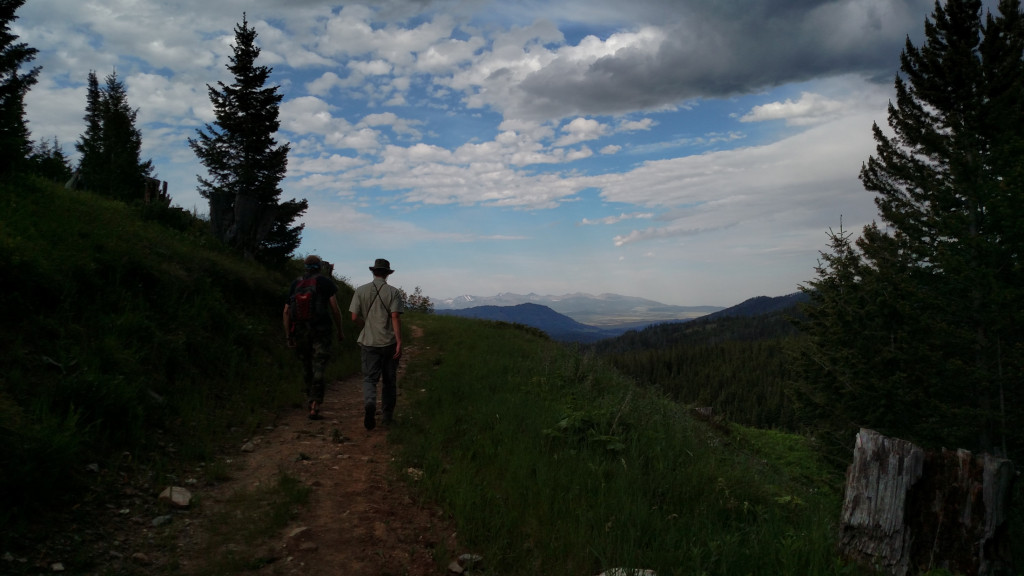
304, 305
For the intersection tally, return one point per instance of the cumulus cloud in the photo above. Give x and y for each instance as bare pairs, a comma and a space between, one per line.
809, 109
581, 130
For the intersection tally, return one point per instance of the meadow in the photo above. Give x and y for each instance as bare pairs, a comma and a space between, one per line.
136, 345
552, 462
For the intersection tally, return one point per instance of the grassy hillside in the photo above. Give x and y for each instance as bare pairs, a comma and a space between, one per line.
552, 463
130, 340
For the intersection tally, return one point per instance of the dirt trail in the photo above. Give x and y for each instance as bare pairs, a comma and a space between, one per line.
361, 520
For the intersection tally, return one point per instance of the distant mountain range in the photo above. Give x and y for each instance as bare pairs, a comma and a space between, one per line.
564, 327
760, 305
558, 326
611, 311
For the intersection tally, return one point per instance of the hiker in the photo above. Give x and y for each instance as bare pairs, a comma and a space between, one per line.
376, 308
311, 308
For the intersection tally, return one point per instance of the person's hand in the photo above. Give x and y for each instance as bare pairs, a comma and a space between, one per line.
398, 351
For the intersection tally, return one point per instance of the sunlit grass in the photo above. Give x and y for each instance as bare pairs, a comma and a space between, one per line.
550, 462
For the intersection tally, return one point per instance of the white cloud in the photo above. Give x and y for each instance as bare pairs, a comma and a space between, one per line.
324, 164
371, 68
581, 130
800, 185
616, 219
809, 109
635, 125
403, 126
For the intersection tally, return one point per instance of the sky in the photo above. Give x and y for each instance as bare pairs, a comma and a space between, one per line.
693, 152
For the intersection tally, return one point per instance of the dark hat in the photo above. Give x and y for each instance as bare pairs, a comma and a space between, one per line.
381, 265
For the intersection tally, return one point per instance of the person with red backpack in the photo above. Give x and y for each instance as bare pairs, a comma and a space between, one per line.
311, 309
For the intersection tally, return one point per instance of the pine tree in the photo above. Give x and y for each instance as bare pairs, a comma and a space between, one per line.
122, 145
931, 349
90, 143
245, 162
111, 146
15, 143
48, 160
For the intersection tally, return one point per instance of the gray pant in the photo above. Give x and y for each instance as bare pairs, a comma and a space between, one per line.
379, 364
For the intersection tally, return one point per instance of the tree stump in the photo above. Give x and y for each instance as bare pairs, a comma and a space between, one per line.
907, 511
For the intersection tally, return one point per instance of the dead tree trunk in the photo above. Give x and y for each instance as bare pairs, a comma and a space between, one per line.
908, 511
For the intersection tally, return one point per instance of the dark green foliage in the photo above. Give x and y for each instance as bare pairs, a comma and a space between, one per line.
15, 145
48, 160
123, 336
544, 457
738, 366
111, 146
90, 144
916, 326
417, 301
245, 163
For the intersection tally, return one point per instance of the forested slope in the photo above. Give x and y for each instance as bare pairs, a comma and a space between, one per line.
738, 365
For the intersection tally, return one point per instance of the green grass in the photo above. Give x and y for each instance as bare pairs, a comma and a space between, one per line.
126, 335
550, 462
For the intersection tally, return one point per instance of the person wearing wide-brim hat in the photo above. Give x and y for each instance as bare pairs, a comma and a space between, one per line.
377, 308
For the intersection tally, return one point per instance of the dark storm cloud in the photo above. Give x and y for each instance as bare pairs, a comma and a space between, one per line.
714, 49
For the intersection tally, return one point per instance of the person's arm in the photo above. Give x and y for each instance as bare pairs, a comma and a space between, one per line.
336, 317
396, 322
354, 307
287, 321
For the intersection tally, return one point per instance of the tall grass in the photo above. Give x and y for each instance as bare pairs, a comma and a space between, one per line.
552, 463
124, 335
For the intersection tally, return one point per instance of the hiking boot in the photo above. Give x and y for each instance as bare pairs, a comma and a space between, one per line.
387, 419
369, 413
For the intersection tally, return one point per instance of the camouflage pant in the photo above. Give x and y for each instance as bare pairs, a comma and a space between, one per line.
314, 351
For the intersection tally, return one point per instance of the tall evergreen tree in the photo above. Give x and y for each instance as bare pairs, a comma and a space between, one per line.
90, 143
111, 146
15, 143
936, 288
245, 162
122, 144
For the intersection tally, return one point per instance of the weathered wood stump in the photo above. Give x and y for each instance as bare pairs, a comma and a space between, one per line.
907, 511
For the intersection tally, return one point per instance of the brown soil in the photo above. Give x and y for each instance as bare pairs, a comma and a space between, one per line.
361, 519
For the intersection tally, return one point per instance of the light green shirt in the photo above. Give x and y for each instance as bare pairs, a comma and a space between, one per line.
374, 302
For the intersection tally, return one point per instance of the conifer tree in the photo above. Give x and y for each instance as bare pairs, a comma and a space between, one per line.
915, 334
15, 143
89, 145
245, 162
122, 144
111, 146
48, 160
